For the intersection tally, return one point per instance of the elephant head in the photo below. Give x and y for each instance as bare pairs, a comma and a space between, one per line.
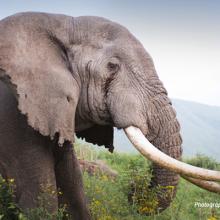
87, 75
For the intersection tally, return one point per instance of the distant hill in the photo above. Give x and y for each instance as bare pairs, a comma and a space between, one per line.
200, 129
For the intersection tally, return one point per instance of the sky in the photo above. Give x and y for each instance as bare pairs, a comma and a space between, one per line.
182, 36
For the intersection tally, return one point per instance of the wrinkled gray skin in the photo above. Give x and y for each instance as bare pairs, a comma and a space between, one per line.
61, 75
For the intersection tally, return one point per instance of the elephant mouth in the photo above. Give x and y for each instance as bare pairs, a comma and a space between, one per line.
201, 177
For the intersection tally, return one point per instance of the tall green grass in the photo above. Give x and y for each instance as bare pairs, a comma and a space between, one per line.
108, 197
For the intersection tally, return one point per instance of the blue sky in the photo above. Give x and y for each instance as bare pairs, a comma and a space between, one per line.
182, 36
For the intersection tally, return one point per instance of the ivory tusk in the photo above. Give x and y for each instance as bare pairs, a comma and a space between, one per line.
208, 185
152, 153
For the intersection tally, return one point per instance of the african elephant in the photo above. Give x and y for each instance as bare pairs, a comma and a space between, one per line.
61, 75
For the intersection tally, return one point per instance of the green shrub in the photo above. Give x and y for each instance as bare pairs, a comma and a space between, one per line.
109, 200
109, 197
8, 209
42, 213
201, 160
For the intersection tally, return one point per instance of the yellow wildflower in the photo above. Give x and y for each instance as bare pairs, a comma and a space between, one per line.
11, 180
212, 218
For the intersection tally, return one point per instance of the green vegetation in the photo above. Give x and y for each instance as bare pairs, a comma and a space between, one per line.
10, 211
108, 197
203, 161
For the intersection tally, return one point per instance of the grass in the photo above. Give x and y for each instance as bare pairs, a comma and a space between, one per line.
108, 197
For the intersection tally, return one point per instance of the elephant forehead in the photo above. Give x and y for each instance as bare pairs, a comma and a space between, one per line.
91, 29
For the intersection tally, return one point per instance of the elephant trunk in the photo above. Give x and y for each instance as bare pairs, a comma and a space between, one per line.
168, 140
164, 150
165, 136
167, 182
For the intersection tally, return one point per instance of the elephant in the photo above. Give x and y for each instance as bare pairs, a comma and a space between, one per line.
63, 75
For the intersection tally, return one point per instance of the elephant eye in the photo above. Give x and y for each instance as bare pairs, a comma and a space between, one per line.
113, 67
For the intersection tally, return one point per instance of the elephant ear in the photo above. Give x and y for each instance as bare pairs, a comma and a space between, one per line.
100, 135
39, 73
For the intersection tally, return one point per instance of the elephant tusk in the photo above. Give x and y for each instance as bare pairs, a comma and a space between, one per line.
152, 153
208, 185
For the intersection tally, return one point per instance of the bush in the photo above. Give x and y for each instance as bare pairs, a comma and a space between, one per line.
109, 199
9, 210
201, 160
